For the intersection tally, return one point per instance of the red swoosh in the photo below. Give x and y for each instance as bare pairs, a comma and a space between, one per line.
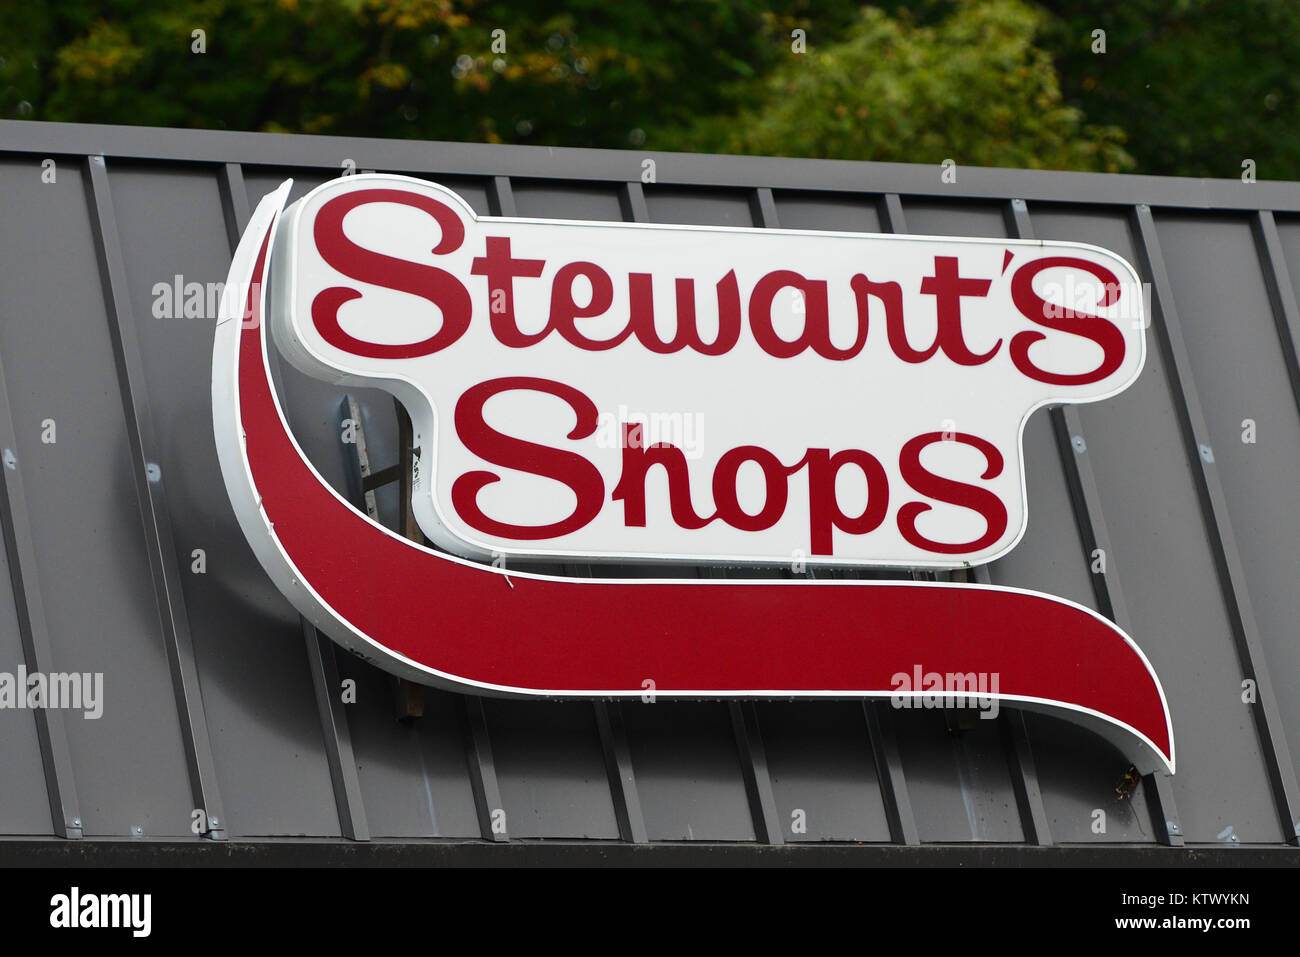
465, 625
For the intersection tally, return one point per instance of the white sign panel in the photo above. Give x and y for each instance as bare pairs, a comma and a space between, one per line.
616, 391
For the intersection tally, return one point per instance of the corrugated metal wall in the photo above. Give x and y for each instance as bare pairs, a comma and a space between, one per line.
215, 694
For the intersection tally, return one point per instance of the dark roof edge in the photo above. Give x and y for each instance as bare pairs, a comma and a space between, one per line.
334, 852
674, 169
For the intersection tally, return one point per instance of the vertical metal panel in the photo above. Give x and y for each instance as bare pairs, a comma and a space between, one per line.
702, 207
130, 764
338, 736
753, 768
688, 771
622, 776
1153, 514
551, 769
1279, 239
1023, 771
415, 781
560, 200
493, 825
929, 217
840, 212
959, 783
1079, 775
30, 802
246, 636
208, 811
24, 799
889, 770
822, 771
1213, 273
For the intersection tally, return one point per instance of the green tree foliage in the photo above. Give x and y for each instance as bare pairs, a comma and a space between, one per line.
1201, 85
597, 74
972, 87
1196, 85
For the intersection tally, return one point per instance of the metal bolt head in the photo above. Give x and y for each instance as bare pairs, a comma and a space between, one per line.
1173, 827
76, 822
152, 471
1207, 454
1079, 444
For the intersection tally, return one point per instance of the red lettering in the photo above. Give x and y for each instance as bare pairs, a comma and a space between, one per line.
942, 489
642, 312
948, 289
825, 514
564, 310
776, 488
890, 295
1036, 309
637, 462
487, 443
501, 270
817, 325
356, 262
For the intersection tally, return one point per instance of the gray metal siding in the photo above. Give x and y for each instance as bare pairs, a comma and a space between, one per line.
90, 557
210, 688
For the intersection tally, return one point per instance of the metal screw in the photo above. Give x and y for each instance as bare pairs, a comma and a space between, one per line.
1173, 827
214, 822
11, 460
1207, 454
137, 829
1080, 446
76, 822
152, 472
